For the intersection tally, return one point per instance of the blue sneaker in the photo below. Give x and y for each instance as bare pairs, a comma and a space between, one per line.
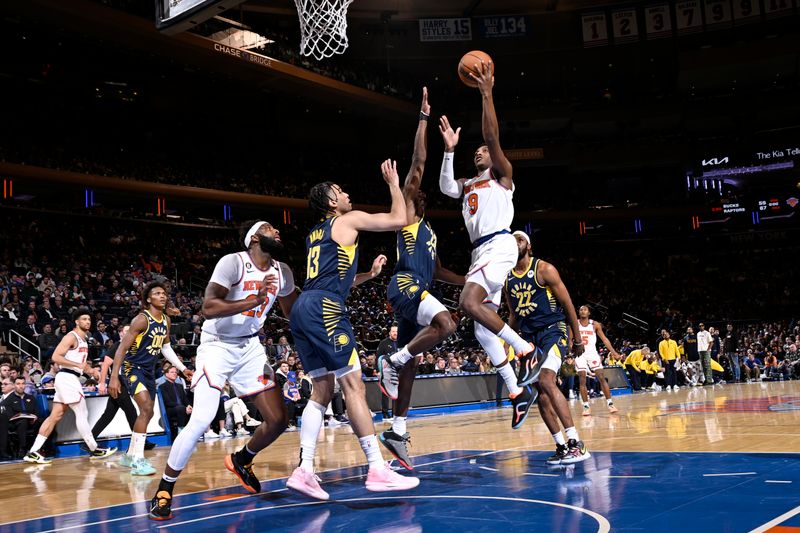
126, 460
142, 467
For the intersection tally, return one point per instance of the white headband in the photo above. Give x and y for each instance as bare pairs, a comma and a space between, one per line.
523, 235
252, 232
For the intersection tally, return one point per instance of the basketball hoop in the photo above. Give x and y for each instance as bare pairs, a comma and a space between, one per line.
323, 25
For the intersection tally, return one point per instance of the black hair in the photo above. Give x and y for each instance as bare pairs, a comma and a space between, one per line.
149, 288
79, 312
319, 199
244, 228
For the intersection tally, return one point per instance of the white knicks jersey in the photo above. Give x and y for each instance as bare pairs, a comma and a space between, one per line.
237, 273
488, 206
78, 354
589, 337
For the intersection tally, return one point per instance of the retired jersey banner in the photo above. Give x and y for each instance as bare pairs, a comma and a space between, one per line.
746, 11
778, 8
658, 21
718, 14
595, 31
503, 27
431, 30
688, 17
625, 26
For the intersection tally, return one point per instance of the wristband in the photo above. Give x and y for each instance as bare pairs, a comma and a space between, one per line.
423, 116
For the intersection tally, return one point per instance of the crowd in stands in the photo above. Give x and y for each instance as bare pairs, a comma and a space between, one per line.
57, 267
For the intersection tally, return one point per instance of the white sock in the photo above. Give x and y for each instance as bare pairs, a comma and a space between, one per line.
559, 438
572, 433
508, 375
520, 345
370, 446
132, 445
313, 417
38, 443
610, 401
401, 357
399, 425
138, 449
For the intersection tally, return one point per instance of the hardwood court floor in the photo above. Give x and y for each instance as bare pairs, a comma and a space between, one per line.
730, 418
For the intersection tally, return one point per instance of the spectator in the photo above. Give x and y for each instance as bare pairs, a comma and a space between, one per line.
453, 367
729, 348
715, 343
294, 401
567, 375
47, 342
695, 373
30, 330
633, 366
270, 349
668, 351
752, 367
470, 364
19, 412
428, 366
283, 349
281, 374
238, 410
175, 401
101, 336
704, 341
441, 366
193, 338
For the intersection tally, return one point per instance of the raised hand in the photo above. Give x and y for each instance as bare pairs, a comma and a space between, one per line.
449, 136
389, 171
377, 265
426, 107
484, 78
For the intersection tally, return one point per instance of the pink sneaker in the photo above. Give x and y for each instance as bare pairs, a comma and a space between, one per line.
385, 479
306, 483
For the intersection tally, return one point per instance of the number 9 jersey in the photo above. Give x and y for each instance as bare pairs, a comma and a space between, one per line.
237, 273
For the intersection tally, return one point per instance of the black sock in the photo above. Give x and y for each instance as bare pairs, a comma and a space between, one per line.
245, 456
168, 486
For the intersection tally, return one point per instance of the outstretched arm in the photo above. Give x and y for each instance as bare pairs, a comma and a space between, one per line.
414, 177
447, 182
501, 166
447, 276
549, 277
345, 230
598, 327
377, 266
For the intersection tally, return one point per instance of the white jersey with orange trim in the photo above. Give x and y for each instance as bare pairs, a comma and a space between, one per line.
79, 353
589, 338
237, 273
488, 206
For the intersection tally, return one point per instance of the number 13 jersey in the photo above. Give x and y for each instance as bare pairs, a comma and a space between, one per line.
237, 273
488, 206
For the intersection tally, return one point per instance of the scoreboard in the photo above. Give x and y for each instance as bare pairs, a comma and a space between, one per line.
175, 16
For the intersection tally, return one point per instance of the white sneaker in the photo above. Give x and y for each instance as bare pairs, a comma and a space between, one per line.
241, 432
669, 387
676, 387
208, 435
253, 423
225, 433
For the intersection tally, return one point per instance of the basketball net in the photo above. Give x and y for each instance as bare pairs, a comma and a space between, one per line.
323, 27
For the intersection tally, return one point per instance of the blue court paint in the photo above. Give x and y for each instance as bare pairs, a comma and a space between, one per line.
491, 491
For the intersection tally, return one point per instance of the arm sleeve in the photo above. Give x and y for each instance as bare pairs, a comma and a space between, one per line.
288, 280
228, 271
170, 355
447, 183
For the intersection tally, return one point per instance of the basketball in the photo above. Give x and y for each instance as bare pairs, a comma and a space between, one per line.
471, 61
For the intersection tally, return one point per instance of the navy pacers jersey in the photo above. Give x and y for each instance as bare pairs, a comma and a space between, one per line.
147, 345
416, 251
534, 306
330, 266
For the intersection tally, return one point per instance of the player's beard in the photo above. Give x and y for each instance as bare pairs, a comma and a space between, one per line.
269, 245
